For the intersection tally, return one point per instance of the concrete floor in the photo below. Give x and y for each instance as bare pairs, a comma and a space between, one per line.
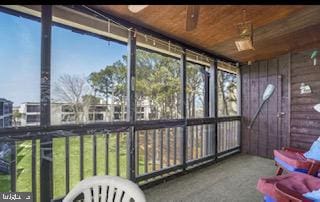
233, 179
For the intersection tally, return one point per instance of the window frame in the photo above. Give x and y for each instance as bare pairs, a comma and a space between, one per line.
238, 102
86, 32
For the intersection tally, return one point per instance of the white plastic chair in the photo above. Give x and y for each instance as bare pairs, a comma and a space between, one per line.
108, 189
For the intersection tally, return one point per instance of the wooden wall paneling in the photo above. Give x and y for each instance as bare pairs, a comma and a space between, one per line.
304, 108
302, 67
279, 105
254, 105
296, 91
305, 121
305, 77
284, 102
306, 99
303, 137
312, 124
304, 130
300, 125
263, 116
269, 132
273, 108
300, 145
289, 99
245, 108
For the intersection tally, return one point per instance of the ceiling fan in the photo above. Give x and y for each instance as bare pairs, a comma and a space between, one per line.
192, 14
245, 40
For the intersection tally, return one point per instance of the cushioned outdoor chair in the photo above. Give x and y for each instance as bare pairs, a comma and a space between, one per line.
296, 160
285, 194
289, 187
106, 188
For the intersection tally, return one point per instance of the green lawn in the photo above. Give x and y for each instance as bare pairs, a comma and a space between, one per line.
59, 177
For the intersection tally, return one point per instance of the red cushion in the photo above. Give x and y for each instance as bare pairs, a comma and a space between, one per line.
295, 159
297, 182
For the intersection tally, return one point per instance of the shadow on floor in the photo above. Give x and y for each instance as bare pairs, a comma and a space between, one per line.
233, 179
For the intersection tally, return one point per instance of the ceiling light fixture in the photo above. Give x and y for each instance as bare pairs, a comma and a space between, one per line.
245, 41
136, 8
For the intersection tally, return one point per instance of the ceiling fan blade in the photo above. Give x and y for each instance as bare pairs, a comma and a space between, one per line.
192, 17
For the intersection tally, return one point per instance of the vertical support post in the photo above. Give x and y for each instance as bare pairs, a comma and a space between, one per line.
131, 172
13, 166
239, 90
34, 169
206, 92
46, 187
107, 153
67, 159
168, 147
137, 153
154, 150
94, 153
146, 151
239, 85
288, 142
205, 139
161, 148
118, 154
215, 79
211, 109
183, 79
81, 157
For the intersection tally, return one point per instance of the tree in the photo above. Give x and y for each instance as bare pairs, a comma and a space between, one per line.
70, 89
89, 105
227, 93
110, 82
16, 116
194, 89
158, 80
91, 99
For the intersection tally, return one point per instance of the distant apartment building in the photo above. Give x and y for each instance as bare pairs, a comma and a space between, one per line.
65, 113
5, 113
30, 114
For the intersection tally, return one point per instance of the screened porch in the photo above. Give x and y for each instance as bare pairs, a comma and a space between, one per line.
99, 90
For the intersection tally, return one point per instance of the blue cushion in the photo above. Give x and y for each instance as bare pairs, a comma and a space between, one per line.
269, 199
314, 152
314, 195
289, 167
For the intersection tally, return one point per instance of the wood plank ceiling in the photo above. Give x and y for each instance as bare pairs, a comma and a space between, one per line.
277, 29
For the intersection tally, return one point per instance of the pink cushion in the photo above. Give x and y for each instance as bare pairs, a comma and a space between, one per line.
295, 159
298, 182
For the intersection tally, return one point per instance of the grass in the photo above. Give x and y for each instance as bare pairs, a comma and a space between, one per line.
24, 180
24, 161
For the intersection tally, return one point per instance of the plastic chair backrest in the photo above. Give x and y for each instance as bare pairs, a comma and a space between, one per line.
106, 189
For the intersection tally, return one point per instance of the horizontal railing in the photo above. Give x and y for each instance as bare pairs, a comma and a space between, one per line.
80, 151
